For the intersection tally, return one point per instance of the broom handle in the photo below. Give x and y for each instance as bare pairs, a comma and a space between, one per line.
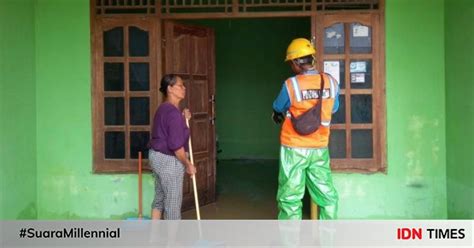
196, 200
140, 207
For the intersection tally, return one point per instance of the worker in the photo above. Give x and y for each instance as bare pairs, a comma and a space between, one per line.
305, 105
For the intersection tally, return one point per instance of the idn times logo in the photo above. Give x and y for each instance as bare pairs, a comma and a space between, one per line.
405, 233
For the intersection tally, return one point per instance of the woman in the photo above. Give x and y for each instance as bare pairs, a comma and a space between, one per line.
168, 147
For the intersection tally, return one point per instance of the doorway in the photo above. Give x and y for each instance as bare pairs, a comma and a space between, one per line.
249, 72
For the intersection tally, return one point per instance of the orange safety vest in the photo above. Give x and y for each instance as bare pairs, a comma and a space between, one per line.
303, 91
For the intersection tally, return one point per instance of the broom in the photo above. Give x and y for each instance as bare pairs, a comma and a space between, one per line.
140, 193
193, 177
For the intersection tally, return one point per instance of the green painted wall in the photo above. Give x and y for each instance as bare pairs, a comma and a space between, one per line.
17, 110
413, 188
67, 189
459, 108
250, 71
415, 184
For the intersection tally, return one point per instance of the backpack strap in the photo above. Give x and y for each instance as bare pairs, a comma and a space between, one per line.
321, 91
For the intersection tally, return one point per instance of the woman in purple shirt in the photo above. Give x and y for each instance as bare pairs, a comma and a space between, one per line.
168, 150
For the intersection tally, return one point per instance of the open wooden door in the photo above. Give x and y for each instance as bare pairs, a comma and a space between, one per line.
189, 52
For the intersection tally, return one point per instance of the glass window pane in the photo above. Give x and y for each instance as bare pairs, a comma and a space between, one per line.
337, 143
138, 44
361, 143
340, 116
138, 143
114, 145
361, 74
361, 108
360, 38
337, 69
139, 110
114, 111
334, 39
139, 76
113, 76
113, 42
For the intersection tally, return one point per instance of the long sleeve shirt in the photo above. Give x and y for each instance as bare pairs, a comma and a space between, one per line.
169, 132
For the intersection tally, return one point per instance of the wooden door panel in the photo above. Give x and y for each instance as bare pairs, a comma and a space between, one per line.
198, 94
189, 52
201, 51
180, 47
200, 137
202, 181
187, 186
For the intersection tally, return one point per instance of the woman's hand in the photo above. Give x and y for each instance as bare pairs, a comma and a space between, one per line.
190, 169
187, 114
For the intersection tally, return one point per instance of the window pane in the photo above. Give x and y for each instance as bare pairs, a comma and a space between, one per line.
139, 77
361, 74
113, 76
337, 143
337, 69
361, 143
114, 145
334, 39
360, 38
113, 42
340, 116
114, 111
138, 42
139, 111
138, 143
361, 108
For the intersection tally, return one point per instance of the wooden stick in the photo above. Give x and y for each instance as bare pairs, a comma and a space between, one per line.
314, 211
196, 200
140, 207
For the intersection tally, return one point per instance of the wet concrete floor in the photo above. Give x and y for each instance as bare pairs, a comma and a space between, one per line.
245, 189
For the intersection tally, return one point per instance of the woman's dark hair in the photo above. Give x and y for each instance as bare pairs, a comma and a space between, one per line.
167, 80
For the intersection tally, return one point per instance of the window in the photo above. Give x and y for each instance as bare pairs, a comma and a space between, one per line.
351, 50
124, 91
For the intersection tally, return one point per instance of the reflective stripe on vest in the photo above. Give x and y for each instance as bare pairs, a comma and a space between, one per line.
297, 89
303, 91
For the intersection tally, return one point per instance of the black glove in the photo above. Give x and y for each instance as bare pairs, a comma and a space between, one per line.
277, 117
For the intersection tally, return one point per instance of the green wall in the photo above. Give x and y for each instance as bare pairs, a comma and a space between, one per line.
413, 188
460, 108
415, 184
67, 188
17, 110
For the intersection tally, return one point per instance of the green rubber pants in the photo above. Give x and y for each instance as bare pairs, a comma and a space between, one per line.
305, 167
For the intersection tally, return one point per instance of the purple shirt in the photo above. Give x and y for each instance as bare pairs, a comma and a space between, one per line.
169, 132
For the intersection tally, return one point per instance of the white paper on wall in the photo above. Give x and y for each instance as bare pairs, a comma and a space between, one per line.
332, 68
359, 66
360, 31
358, 78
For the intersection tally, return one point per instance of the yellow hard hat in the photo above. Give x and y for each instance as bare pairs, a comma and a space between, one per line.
298, 48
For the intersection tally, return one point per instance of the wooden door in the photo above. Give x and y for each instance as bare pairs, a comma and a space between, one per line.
189, 52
